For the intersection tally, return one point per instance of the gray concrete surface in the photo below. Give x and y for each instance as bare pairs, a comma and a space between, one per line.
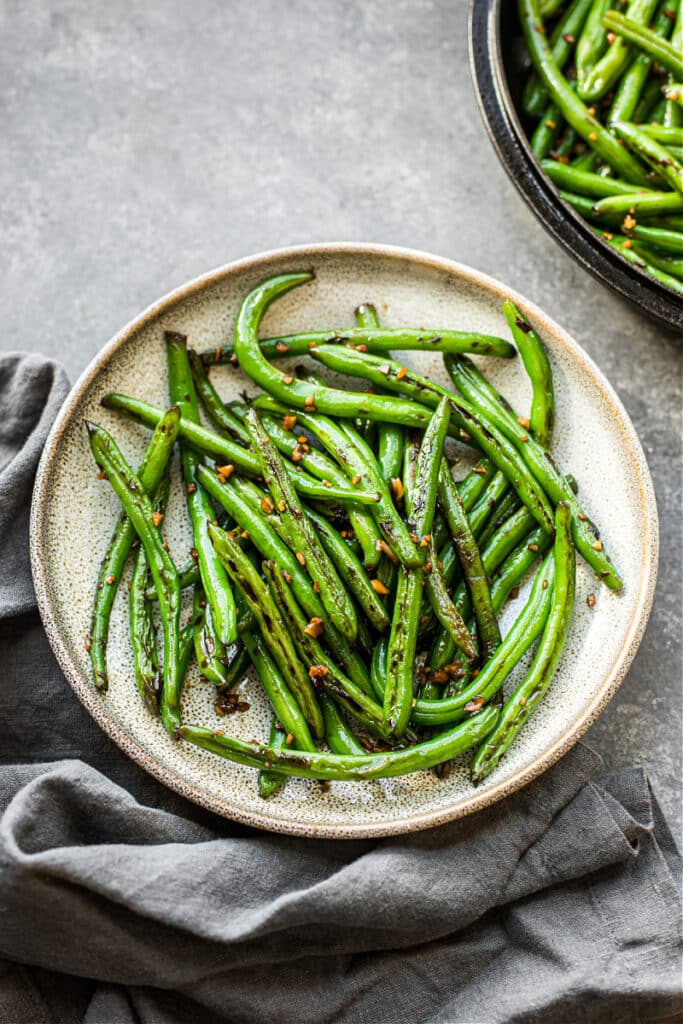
146, 143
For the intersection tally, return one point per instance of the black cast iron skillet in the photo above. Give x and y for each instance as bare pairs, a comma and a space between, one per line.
498, 68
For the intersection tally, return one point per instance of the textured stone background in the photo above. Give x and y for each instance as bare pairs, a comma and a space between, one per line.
146, 143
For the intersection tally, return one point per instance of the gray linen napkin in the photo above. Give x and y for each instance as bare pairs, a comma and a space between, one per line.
120, 902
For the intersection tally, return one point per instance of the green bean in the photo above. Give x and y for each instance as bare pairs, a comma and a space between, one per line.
526, 697
280, 696
668, 241
566, 176
209, 651
537, 365
151, 471
188, 575
340, 738
348, 767
378, 668
322, 466
476, 481
221, 414
641, 203
501, 550
143, 636
228, 451
137, 506
588, 161
653, 152
238, 666
321, 668
420, 506
592, 40
185, 648
303, 538
270, 782
674, 223
566, 147
668, 136
276, 637
658, 112
650, 96
377, 339
506, 507
547, 130
585, 206
573, 110
549, 7
607, 70
632, 30
142, 629
481, 513
477, 389
351, 567
633, 80
499, 450
214, 579
617, 242
444, 609
666, 263
515, 645
471, 565
564, 35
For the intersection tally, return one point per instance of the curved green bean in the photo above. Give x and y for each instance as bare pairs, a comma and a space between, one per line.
537, 365
299, 393
340, 767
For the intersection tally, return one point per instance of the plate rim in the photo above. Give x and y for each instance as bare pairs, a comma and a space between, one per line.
477, 800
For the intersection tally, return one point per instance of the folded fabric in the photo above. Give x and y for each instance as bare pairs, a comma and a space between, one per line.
557, 900
119, 902
32, 389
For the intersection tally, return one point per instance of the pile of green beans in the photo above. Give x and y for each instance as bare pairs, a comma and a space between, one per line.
335, 553
604, 115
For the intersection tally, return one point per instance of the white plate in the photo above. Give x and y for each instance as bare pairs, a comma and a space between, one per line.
73, 514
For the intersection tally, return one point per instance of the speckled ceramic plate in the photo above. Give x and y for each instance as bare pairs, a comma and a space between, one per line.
73, 514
